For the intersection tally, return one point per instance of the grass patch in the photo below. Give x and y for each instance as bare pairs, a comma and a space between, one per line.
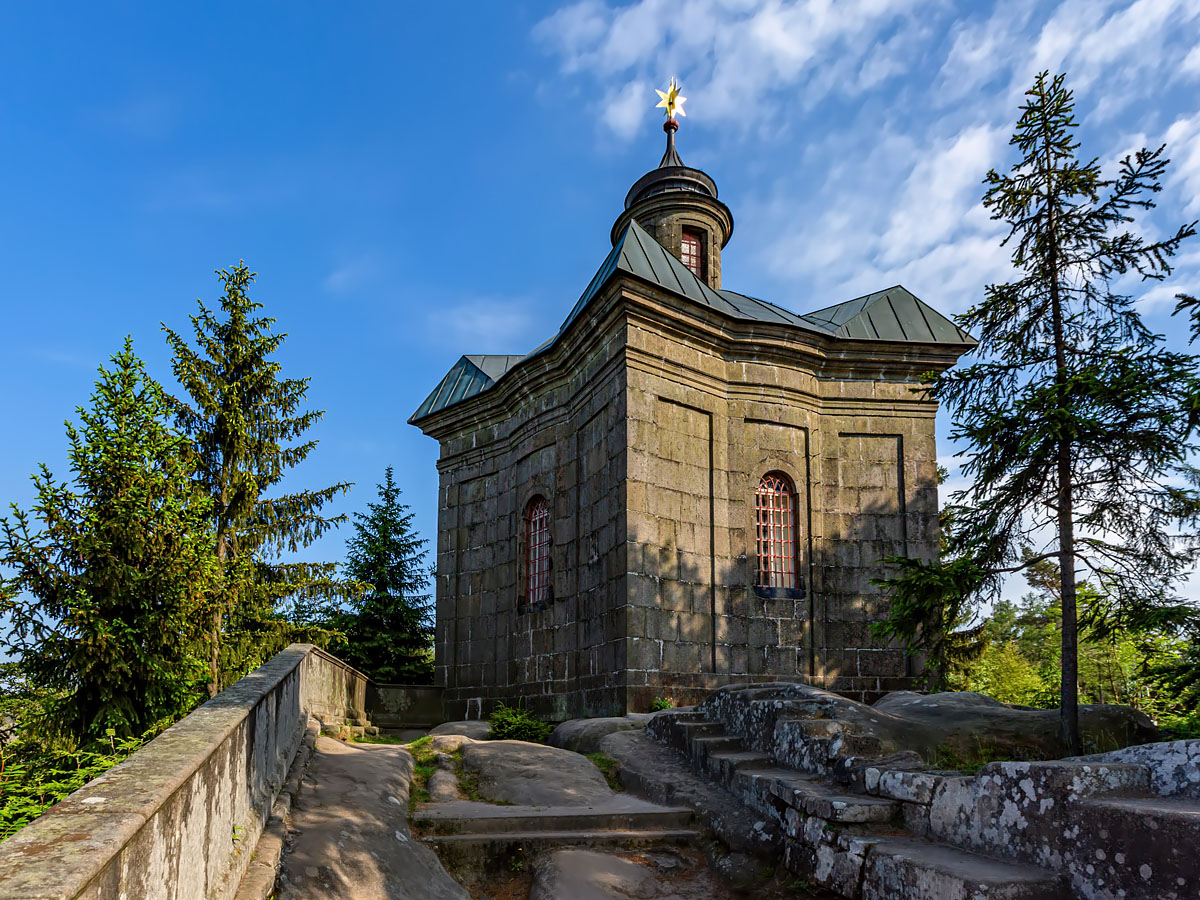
378, 739
424, 765
608, 767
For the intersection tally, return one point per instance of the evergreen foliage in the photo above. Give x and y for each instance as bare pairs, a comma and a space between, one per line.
247, 426
510, 723
388, 626
109, 591
1080, 423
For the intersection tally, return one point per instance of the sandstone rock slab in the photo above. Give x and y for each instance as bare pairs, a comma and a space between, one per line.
476, 729
590, 875
584, 735
534, 774
350, 835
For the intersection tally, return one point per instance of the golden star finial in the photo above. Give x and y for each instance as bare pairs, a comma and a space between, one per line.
671, 100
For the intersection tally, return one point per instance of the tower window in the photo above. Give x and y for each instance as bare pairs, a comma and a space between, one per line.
691, 251
775, 531
537, 553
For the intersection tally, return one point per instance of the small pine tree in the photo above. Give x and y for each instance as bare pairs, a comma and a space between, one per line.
108, 597
247, 428
1080, 423
387, 627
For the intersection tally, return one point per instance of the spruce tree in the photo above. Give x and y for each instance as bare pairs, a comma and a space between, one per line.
247, 426
109, 593
1079, 421
388, 630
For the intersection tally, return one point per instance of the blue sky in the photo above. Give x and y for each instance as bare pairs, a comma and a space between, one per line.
413, 184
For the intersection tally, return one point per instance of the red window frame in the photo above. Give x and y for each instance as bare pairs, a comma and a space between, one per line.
537, 552
691, 251
775, 531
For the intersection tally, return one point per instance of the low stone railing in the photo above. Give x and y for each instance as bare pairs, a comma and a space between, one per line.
180, 818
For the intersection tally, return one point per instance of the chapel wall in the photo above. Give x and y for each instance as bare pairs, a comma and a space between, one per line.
564, 441
704, 427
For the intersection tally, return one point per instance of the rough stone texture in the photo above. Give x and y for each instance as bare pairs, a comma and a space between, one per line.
589, 875
474, 729
533, 774
585, 735
661, 776
1117, 825
968, 718
442, 787
448, 743
911, 870
1174, 766
810, 729
647, 427
259, 881
351, 839
404, 705
160, 824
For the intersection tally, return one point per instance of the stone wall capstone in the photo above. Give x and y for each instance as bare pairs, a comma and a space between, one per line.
179, 819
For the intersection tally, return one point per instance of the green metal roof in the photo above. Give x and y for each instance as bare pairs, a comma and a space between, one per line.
469, 376
891, 315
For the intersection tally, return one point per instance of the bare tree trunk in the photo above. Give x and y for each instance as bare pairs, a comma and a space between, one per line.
1069, 702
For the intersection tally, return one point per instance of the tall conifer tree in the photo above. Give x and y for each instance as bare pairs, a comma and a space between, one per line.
1080, 423
247, 426
388, 630
108, 598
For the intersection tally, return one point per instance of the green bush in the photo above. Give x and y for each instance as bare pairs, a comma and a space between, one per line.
661, 703
516, 724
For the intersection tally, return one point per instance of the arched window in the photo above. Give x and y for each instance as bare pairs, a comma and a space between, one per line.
775, 531
691, 251
537, 552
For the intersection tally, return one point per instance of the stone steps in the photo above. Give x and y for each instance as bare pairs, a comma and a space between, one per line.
920, 870
475, 839
854, 843
465, 817
475, 856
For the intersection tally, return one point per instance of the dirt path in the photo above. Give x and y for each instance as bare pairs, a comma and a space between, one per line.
350, 837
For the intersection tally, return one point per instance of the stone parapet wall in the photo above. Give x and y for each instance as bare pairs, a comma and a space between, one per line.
179, 819
404, 705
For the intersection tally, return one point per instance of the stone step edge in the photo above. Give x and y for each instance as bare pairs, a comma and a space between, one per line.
597, 835
529, 823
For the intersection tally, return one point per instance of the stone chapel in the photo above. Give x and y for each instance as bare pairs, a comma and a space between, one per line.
684, 486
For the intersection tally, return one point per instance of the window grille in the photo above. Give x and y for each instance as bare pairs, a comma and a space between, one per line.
691, 253
537, 552
775, 531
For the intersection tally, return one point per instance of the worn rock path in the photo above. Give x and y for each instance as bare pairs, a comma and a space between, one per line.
349, 838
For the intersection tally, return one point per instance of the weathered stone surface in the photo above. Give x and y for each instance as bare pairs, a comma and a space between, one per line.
351, 839
584, 735
449, 743
590, 875
969, 722
811, 729
915, 870
587, 875
166, 814
1174, 766
442, 786
660, 775
533, 774
476, 729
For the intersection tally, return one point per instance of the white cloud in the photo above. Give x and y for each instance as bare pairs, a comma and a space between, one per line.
486, 325
1183, 146
735, 54
624, 109
352, 275
883, 186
